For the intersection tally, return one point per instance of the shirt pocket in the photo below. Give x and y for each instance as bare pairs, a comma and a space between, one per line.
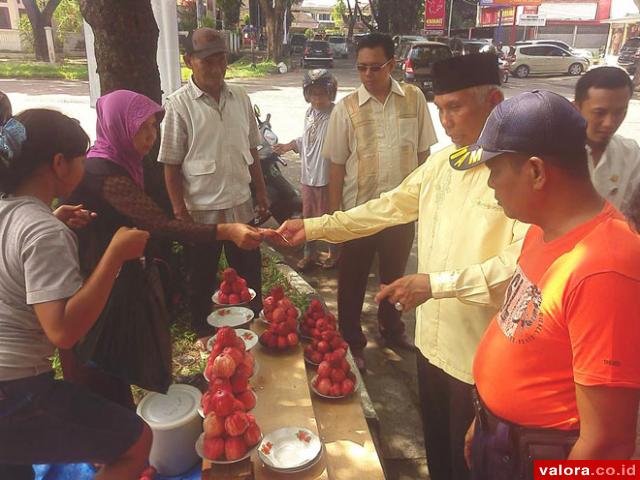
199, 166
408, 131
248, 158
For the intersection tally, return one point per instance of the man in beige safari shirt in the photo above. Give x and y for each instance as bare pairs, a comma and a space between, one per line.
377, 136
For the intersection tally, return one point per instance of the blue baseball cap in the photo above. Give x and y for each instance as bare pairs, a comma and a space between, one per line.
536, 123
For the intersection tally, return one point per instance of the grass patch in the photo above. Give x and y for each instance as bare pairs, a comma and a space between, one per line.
40, 70
240, 69
78, 71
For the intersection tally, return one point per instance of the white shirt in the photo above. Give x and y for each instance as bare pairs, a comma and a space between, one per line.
315, 167
617, 174
212, 142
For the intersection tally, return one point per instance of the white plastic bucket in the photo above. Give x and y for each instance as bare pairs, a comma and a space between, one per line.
176, 426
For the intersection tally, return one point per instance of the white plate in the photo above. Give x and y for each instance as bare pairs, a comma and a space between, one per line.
249, 338
200, 452
303, 336
201, 410
264, 319
309, 362
288, 450
351, 376
256, 368
230, 317
308, 466
215, 298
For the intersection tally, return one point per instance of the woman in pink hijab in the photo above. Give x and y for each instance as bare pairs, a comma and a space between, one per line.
113, 188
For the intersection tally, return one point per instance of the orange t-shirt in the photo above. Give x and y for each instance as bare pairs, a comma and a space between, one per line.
571, 315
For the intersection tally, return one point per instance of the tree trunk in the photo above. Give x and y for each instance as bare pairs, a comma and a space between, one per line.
126, 44
274, 18
352, 20
403, 15
358, 12
38, 21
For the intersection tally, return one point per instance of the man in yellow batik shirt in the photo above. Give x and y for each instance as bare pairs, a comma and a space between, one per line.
467, 252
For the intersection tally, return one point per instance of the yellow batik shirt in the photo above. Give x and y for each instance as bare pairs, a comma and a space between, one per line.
465, 243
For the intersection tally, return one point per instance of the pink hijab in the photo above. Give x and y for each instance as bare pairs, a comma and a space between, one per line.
120, 116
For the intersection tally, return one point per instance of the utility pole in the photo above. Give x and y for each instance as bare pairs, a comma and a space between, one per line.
450, 16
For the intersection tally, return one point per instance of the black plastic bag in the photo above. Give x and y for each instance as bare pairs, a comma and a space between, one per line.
131, 338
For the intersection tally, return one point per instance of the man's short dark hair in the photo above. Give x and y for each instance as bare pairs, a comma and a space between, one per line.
374, 40
610, 78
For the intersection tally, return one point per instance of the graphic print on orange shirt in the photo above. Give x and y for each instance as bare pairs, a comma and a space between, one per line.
520, 317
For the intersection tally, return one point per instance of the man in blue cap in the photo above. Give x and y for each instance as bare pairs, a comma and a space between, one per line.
557, 372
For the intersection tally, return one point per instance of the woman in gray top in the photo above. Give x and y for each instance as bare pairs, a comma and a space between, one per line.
45, 304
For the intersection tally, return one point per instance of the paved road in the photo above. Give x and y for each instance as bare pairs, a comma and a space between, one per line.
391, 376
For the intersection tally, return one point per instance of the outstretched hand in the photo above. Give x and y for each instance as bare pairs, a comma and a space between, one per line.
74, 216
293, 231
407, 292
246, 236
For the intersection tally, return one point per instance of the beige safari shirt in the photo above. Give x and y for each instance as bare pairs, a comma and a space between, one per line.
465, 242
378, 142
212, 143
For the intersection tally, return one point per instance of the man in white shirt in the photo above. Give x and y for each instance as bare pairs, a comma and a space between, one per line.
602, 96
208, 148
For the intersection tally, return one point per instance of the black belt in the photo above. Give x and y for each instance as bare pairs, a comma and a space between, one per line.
527, 443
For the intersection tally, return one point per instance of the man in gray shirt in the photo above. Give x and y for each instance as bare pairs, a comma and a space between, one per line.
209, 151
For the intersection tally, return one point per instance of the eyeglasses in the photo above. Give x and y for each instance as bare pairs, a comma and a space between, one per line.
373, 68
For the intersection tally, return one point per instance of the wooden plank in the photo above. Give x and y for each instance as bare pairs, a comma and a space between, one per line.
284, 400
350, 450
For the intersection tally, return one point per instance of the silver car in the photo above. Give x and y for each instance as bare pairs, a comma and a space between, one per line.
545, 59
339, 46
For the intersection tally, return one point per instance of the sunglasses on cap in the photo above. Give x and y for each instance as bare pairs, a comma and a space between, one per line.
374, 68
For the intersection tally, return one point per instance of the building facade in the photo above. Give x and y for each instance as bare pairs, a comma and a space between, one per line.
576, 22
10, 11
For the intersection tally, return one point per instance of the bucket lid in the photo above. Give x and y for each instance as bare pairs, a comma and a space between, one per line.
176, 408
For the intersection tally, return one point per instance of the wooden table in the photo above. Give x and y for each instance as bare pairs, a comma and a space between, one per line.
285, 399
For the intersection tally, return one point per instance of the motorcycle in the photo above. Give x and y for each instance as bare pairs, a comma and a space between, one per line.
284, 199
504, 66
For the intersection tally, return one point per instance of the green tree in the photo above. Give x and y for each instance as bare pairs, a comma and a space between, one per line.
40, 14
309, 33
273, 11
66, 19
187, 16
339, 13
231, 11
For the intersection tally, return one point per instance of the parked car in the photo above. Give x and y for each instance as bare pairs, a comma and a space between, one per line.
581, 52
357, 37
479, 45
297, 41
317, 52
545, 59
418, 68
339, 45
399, 41
629, 54
401, 55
